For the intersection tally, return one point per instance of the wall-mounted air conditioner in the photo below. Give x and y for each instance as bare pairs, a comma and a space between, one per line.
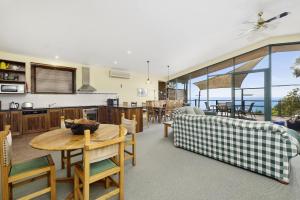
119, 74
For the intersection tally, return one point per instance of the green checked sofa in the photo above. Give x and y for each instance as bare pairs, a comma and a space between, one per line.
261, 147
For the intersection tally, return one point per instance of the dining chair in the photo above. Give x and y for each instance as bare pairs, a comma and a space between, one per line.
67, 155
96, 167
151, 111
145, 113
130, 125
14, 175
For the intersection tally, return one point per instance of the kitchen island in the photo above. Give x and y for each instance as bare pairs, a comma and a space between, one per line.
112, 115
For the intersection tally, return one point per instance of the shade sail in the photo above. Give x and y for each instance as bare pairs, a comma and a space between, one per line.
224, 81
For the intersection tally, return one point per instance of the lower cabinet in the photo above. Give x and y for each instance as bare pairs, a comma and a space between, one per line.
12, 118
54, 118
4, 120
103, 114
16, 122
35, 123
72, 113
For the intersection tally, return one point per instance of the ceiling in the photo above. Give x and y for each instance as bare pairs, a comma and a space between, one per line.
170, 32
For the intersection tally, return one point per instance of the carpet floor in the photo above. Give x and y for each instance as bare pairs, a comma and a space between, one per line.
165, 172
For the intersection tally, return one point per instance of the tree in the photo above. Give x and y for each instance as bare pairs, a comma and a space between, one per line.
289, 105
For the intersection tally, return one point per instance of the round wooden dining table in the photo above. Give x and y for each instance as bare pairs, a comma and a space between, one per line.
64, 139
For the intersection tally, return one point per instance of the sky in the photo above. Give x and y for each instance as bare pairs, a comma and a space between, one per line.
282, 74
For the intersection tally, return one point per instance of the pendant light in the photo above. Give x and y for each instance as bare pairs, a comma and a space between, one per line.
148, 79
168, 77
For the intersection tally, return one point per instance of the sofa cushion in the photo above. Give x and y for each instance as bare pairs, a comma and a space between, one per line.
189, 110
198, 111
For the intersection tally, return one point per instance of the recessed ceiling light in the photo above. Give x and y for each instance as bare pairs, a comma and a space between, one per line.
56, 57
115, 62
129, 52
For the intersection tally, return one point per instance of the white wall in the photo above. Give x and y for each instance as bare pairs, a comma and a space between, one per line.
125, 89
43, 100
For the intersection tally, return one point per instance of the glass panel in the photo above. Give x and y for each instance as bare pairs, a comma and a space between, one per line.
198, 97
249, 89
285, 81
220, 93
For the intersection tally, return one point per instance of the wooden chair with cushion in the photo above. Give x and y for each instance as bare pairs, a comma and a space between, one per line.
130, 125
26, 172
97, 166
66, 156
152, 115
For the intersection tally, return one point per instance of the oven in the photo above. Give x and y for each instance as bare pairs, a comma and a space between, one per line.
12, 88
90, 113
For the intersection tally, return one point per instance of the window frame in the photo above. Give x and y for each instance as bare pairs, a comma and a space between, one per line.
34, 66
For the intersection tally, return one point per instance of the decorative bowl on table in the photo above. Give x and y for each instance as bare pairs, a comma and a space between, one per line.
78, 126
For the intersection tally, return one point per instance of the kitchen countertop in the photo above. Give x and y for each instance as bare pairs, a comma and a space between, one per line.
61, 107
129, 107
54, 107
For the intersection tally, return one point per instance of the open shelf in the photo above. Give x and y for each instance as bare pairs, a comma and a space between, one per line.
12, 81
13, 71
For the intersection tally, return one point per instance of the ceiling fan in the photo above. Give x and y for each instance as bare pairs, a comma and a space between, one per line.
261, 23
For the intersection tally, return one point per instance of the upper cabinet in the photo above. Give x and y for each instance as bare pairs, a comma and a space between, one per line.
48, 79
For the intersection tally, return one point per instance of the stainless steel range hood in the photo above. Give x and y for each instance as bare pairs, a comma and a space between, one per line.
86, 87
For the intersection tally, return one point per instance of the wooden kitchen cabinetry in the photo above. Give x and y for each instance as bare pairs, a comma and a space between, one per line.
4, 120
72, 113
103, 114
54, 118
114, 115
35, 123
12, 118
16, 122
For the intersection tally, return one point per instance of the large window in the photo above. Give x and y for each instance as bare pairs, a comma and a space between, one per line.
52, 80
284, 80
264, 77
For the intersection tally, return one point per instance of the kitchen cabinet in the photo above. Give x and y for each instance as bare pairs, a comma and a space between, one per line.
4, 120
103, 114
54, 118
35, 123
72, 113
15, 119
12, 118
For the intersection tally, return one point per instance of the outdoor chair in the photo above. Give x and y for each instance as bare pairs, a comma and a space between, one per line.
207, 106
222, 108
243, 113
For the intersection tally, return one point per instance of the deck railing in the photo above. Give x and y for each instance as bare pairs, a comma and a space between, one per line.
258, 107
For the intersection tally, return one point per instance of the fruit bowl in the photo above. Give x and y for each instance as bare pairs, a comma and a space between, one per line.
78, 126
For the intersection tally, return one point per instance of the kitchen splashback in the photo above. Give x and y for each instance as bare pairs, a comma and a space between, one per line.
43, 100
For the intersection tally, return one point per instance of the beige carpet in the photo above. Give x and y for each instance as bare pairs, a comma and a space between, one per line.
164, 172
